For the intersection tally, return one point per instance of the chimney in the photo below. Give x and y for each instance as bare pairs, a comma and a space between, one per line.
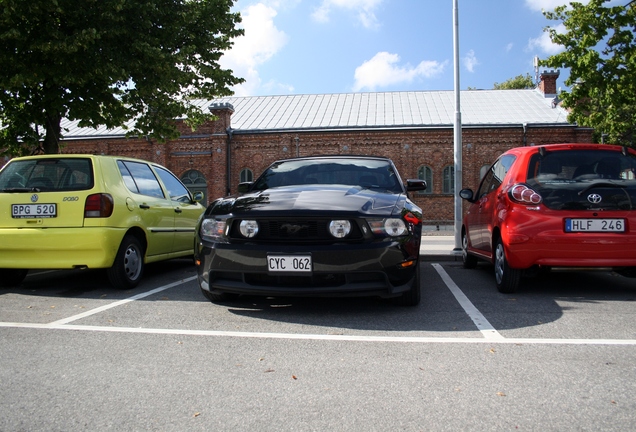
223, 111
547, 83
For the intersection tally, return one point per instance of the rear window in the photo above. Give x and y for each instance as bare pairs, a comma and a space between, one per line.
581, 165
63, 174
565, 178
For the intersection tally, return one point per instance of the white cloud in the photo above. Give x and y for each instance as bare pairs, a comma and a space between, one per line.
364, 9
261, 41
544, 44
509, 47
470, 61
384, 70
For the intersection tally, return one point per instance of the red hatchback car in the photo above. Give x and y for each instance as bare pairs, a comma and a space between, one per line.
557, 205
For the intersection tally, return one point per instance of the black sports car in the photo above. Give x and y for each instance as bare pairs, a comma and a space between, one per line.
315, 226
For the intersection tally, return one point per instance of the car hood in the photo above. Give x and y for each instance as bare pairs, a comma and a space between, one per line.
315, 199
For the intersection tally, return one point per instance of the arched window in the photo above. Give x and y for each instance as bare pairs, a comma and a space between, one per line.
195, 182
246, 175
426, 173
449, 180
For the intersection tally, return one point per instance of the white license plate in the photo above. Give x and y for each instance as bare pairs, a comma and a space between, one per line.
289, 263
26, 211
595, 225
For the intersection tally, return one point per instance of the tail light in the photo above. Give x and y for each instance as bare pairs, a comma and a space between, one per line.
524, 195
99, 206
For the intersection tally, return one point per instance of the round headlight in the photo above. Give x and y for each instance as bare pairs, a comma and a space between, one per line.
248, 228
395, 227
339, 228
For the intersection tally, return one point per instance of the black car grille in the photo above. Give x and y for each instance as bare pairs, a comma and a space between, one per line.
317, 280
297, 230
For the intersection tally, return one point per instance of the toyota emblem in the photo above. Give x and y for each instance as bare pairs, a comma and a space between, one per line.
594, 198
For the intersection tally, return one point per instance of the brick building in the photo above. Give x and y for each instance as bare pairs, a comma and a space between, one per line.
415, 129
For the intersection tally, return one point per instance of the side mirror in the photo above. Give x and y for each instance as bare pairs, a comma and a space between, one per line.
415, 185
244, 187
466, 194
197, 196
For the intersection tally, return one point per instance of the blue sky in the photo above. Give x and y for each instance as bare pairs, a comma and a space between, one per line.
341, 46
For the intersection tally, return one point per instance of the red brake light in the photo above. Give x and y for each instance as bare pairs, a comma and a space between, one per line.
98, 205
524, 195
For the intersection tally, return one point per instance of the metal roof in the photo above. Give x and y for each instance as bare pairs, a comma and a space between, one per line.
393, 110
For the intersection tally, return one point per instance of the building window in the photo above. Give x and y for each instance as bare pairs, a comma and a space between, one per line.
483, 171
449, 180
426, 173
246, 175
195, 182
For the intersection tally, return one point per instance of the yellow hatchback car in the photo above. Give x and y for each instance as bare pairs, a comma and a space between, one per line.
88, 211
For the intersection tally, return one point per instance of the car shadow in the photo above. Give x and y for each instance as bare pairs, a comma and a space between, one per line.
541, 298
94, 284
535, 303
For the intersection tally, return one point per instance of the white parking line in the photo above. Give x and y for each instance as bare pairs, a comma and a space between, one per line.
480, 321
323, 337
118, 303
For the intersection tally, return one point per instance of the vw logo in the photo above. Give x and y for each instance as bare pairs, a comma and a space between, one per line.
594, 198
34, 198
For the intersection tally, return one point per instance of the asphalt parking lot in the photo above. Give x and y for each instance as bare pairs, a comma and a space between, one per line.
558, 355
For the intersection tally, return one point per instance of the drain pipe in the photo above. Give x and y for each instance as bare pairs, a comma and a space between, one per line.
228, 168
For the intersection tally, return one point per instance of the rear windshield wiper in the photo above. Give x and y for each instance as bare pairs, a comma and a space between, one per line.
602, 184
22, 189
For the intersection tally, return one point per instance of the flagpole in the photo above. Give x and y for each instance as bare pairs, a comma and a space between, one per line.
457, 134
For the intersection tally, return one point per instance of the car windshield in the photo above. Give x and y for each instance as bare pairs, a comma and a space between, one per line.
566, 178
364, 173
63, 174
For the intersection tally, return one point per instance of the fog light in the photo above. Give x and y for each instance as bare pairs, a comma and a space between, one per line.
339, 228
248, 228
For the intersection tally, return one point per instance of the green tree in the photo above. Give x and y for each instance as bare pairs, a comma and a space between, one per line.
109, 62
519, 82
600, 51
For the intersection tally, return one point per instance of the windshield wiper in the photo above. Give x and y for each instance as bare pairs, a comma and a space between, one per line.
22, 189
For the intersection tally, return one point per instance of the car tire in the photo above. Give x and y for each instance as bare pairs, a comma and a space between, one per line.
506, 278
469, 261
12, 277
413, 296
218, 298
128, 267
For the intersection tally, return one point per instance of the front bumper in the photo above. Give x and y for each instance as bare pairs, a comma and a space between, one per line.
367, 269
59, 248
